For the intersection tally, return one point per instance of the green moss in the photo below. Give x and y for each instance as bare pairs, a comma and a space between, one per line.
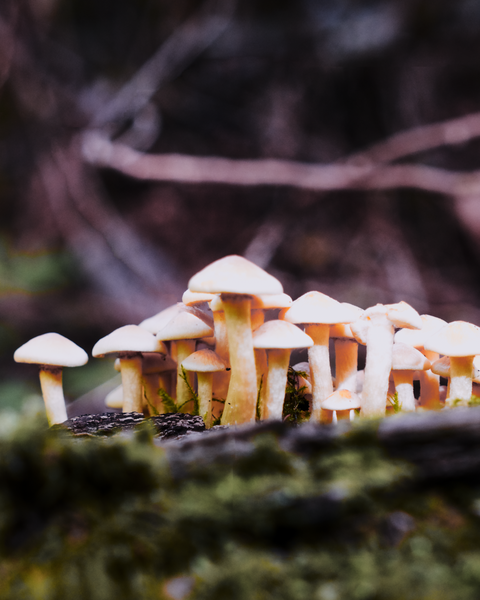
105, 519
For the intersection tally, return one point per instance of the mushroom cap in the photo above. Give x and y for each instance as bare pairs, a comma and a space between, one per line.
303, 367
407, 358
129, 338
154, 362
398, 315
235, 275
402, 314
184, 326
51, 349
417, 337
315, 307
155, 323
281, 335
114, 399
190, 298
458, 338
342, 400
441, 367
204, 361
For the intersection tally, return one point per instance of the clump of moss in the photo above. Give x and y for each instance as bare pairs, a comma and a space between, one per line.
112, 519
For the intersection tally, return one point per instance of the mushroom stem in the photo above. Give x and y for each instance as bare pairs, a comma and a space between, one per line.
430, 384
204, 381
343, 414
257, 318
261, 368
276, 383
131, 370
184, 349
346, 360
320, 373
52, 391
377, 367
404, 388
221, 379
461, 369
151, 385
240, 404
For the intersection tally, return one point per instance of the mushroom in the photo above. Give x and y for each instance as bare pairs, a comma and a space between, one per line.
342, 402
375, 329
114, 399
346, 354
52, 352
204, 363
184, 330
317, 312
237, 280
278, 338
155, 367
461, 342
406, 360
158, 321
429, 381
128, 342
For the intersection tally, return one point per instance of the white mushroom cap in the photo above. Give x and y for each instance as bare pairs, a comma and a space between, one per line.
155, 323
204, 361
114, 399
129, 338
417, 337
235, 275
399, 315
442, 367
190, 298
456, 339
184, 326
51, 349
315, 307
262, 301
407, 358
304, 367
342, 400
281, 335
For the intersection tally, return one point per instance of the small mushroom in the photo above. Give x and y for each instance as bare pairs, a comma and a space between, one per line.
461, 342
204, 363
184, 330
375, 329
278, 338
128, 342
52, 352
346, 354
342, 402
405, 361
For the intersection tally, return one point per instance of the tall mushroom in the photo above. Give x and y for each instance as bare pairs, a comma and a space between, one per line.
375, 328
405, 361
461, 342
52, 352
346, 354
278, 338
128, 343
429, 381
237, 280
317, 312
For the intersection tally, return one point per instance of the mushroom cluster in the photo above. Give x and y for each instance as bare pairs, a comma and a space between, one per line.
224, 353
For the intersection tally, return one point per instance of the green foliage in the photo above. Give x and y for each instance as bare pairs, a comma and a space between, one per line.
167, 401
393, 400
193, 395
107, 519
295, 406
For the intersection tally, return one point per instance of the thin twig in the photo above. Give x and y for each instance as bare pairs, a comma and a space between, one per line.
196, 169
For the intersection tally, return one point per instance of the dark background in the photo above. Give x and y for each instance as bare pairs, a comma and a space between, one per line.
85, 249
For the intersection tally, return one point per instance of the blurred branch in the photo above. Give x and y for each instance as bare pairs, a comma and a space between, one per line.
99, 151
183, 46
427, 137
